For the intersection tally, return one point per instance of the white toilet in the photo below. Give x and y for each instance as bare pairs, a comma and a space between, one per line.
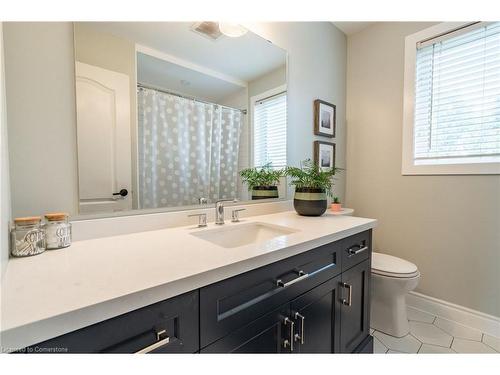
392, 278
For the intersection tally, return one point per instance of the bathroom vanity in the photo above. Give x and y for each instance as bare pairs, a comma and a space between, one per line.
306, 291
161, 129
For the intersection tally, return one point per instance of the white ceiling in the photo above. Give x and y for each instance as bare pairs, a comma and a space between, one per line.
245, 58
353, 27
162, 74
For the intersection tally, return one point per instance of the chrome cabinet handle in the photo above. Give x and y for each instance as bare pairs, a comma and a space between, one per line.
300, 337
158, 344
235, 217
302, 276
202, 220
289, 343
347, 302
351, 251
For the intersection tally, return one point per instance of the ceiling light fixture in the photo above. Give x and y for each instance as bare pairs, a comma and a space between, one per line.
233, 30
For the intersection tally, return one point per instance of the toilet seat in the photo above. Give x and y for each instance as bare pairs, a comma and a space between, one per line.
391, 266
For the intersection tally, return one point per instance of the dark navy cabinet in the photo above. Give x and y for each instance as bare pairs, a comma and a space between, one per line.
263, 335
308, 324
314, 302
355, 306
169, 326
317, 319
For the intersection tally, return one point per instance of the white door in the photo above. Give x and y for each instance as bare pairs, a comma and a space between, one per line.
104, 143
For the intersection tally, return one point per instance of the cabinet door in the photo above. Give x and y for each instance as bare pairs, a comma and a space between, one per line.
317, 319
233, 303
268, 334
355, 306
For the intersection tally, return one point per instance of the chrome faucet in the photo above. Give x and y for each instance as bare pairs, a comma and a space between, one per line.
219, 210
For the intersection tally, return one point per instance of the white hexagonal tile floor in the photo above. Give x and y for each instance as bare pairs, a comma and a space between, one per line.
492, 342
431, 334
458, 330
434, 349
419, 316
469, 346
406, 344
378, 347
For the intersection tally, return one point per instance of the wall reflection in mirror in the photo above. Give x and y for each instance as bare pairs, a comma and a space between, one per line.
169, 114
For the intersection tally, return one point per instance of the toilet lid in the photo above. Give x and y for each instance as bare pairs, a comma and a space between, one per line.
388, 265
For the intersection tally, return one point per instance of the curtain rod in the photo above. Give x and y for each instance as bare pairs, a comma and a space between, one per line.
142, 86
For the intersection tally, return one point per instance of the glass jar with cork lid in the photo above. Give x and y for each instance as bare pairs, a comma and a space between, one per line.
57, 230
27, 237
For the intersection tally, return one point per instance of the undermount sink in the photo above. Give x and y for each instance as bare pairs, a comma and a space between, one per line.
243, 234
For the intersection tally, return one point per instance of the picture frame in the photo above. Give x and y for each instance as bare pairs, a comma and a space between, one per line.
324, 155
325, 118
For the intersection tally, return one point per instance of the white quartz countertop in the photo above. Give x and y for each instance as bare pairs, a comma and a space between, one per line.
63, 290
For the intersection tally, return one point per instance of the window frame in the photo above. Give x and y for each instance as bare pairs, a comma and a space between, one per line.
408, 167
256, 98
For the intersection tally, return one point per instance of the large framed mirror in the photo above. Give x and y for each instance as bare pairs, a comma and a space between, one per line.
169, 113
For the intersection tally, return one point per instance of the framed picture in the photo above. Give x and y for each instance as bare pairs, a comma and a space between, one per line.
324, 118
324, 154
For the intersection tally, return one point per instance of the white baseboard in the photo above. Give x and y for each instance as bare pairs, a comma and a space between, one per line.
485, 323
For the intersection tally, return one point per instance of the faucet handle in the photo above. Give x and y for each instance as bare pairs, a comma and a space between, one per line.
235, 215
202, 219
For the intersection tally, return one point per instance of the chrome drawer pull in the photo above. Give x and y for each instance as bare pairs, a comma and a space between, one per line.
157, 344
300, 337
302, 276
287, 342
347, 302
351, 251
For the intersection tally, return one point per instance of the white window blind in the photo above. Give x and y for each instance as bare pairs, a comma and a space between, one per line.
269, 143
457, 98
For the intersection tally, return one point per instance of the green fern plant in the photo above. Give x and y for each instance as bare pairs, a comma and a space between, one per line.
310, 175
262, 176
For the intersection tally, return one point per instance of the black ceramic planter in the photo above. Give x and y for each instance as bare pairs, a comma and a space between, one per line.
310, 201
264, 192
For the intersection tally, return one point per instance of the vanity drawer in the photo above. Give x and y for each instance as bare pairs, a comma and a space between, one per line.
229, 304
170, 326
356, 249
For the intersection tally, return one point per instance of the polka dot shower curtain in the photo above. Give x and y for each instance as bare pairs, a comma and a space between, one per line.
187, 150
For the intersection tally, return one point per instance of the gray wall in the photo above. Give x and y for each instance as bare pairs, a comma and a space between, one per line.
4, 169
39, 68
448, 225
316, 70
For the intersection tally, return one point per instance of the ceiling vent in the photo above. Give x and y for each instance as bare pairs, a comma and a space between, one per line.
207, 29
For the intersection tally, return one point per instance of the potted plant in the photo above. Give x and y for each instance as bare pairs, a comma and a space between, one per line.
262, 181
336, 206
312, 187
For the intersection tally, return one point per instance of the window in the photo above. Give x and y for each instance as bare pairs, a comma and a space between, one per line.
452, 100
269, 129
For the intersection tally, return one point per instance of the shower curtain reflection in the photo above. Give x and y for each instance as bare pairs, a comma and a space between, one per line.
187, 150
